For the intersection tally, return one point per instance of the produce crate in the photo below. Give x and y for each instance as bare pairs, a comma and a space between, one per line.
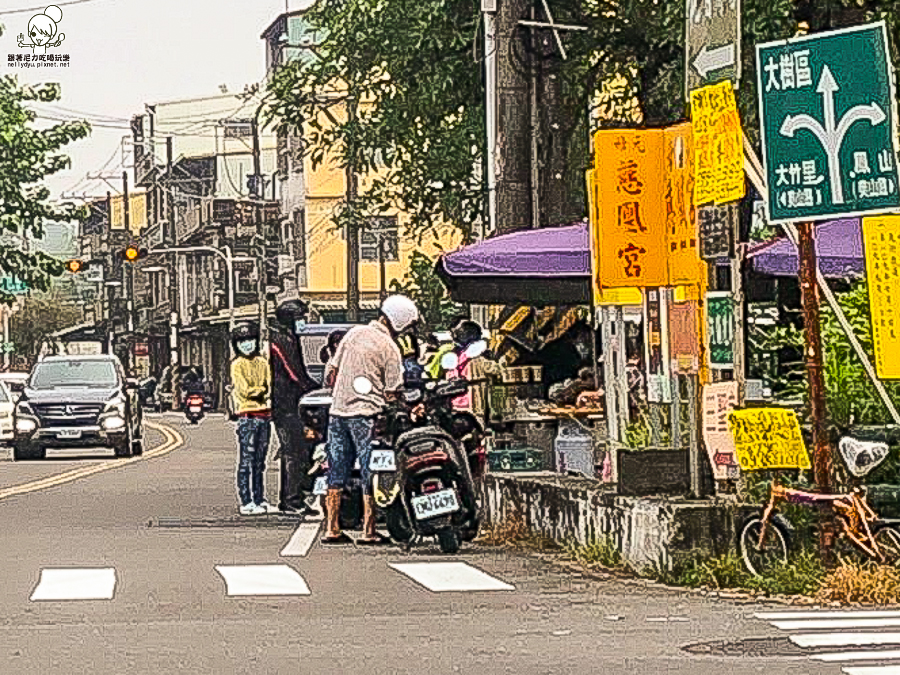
516, 459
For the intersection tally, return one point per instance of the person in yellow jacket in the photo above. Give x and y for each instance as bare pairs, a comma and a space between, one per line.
252, 382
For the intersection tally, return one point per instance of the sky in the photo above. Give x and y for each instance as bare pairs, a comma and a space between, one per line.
124, 54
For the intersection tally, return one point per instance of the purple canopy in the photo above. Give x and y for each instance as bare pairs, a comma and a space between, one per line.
839, 252
546, 252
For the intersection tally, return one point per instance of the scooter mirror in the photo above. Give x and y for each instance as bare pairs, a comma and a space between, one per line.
362, 386
449, 361
476, 349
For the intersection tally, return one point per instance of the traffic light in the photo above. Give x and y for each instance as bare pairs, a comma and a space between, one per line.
133, 253
74, 266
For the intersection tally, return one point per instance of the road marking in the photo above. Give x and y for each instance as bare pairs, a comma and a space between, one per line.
76, 584
864, 614
844, 639
835, 624
243, 580
440, 577
883, 655
173, 441
872, 670
302, 539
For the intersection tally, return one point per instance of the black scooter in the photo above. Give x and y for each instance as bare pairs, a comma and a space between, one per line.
194, 408
421, 475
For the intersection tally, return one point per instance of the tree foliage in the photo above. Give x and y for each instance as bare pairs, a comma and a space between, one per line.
27, 156
423, 286
39, 316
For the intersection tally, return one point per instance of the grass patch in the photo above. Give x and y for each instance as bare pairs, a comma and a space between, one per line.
602, 552
866, 583
514, 532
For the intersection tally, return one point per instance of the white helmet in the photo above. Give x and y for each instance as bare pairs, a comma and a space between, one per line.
401, 312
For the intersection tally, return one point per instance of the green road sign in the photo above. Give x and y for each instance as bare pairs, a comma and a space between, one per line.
828, 117
720, 328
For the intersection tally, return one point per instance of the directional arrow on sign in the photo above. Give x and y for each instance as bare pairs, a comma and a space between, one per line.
831, 135
709, 60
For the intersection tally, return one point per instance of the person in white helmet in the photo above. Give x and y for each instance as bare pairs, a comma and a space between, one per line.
369, 352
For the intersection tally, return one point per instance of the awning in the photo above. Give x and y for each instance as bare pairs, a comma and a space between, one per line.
839, 252
546, 266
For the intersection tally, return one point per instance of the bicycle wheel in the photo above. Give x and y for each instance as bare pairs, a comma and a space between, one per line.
888, 540
758, 560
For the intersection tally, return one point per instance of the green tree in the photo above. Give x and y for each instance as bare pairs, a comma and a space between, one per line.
27, 156
425, 288
39, 316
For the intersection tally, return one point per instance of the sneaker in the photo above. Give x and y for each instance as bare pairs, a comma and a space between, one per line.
266, 507
251, 509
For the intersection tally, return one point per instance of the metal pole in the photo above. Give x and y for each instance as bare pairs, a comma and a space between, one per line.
5, 311
107, 290
382, 277
535, 129
740, 317
352, 225
229, 270
257, 193
129, 269
490, 92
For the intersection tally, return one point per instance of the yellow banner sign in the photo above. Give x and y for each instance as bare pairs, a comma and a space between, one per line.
682, 250
632, 238
768, 438
718, 145
881, 236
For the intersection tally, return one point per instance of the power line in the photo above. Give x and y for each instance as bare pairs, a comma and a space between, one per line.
41, 8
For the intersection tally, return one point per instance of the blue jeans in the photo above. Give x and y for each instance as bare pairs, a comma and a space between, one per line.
253, 441
349, 438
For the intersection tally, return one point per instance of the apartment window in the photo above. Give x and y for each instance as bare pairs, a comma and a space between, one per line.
384, 229
246, 277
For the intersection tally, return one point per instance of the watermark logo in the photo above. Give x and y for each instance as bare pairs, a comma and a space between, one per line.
43, 34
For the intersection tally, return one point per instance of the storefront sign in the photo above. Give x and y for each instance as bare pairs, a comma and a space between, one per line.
718, 145
632, 237
719, 400
141, 349
768, 438
683, 336
717, 227
720, 328
881, 236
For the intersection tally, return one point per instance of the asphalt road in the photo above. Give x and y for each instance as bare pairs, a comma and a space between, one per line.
143, 566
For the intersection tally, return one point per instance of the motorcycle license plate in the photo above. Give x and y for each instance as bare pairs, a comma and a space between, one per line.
321, 486
382, 460
69, 433
435, 504
195, 408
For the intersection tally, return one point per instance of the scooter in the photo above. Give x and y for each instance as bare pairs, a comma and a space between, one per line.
193, 408
313, 409
421, 476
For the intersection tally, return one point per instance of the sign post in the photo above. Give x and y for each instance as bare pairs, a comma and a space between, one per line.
713, 39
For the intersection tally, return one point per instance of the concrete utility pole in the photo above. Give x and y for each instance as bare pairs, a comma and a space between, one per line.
170, 237
107, 290
128, 281
352, 225
488, 8
256, 194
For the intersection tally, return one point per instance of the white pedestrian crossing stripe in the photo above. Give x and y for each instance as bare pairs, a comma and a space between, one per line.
442, 577
845, 631
302, 540
75, 584
262, 580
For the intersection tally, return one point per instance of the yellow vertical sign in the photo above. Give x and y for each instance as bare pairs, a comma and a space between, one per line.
718, 145
632, 241
881, 237
682, 237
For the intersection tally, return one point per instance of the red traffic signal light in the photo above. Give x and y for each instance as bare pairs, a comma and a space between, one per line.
74, 266
133, 253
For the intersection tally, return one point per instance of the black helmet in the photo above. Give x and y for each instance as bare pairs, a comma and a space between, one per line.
289, 311
466, 332
245, 331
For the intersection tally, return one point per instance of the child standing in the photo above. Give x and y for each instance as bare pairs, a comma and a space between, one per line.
252, 381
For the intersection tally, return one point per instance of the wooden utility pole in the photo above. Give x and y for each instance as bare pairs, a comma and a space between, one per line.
256, 194
107, 290
169, 236
352, 225
816, 373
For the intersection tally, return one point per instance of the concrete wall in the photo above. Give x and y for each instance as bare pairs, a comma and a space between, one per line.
648, 531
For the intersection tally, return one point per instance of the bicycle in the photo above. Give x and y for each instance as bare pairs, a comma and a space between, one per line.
765, 540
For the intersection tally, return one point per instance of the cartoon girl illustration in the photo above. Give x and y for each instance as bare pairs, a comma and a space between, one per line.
42, 29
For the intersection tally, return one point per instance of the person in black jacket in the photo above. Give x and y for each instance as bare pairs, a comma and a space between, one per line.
290, 382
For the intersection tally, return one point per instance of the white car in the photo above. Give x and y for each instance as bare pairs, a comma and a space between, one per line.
6, 415
15, 383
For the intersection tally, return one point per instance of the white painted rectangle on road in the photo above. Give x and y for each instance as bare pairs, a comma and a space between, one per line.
302, 540
883, 655
243, 580
861, 614
441, 577
844, 639
836, 624
76, 584
871, 670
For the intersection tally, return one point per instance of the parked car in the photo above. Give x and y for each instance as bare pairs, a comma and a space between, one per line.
312, 339
15, 383
78, 402
7, 405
